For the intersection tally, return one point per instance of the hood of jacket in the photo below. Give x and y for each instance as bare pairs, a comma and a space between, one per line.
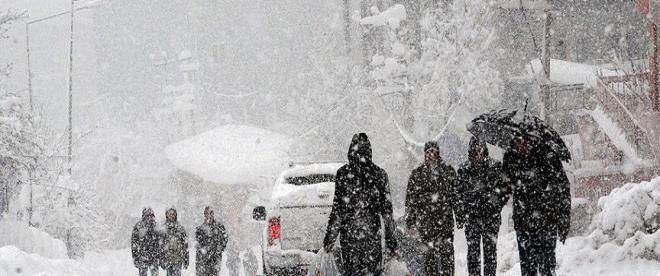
359, 152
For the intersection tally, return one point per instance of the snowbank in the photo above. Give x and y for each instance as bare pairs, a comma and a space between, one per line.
624, 238
627, 210
31, 240
232, 154
15, 262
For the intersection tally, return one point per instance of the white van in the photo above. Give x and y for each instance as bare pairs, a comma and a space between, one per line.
297, 219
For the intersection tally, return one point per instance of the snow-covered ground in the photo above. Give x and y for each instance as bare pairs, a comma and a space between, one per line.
624, 240
572, 258
15, 262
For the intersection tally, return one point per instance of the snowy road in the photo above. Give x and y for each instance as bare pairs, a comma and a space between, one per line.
14, 262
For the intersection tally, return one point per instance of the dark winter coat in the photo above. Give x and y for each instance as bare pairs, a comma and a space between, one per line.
211, 242
145, 244
432, 201
175, 245
362, 197
541, 192
483, 192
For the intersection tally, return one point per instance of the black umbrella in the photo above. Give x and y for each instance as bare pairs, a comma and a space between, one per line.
501, 126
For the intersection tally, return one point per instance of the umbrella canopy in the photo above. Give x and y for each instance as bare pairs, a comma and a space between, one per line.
501, 126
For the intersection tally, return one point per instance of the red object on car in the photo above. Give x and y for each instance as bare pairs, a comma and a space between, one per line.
273, 230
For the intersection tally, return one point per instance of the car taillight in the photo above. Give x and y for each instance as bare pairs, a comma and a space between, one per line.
273, 230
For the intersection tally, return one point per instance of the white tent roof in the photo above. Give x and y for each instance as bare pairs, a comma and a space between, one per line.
232, 155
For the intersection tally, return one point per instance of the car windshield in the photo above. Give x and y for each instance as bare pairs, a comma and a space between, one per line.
310, 179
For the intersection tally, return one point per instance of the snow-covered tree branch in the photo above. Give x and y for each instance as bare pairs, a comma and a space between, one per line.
452, 80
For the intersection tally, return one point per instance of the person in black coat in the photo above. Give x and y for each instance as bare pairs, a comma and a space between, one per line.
211, 239
175, 245
541, 204
431, 203
145, 244
362, 198
483, 195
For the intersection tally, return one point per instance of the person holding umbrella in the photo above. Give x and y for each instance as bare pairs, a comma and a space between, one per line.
541, 204
541, 190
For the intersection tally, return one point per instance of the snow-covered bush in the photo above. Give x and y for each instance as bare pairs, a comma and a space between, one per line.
625, 228
18, 147
633, 208
434, 91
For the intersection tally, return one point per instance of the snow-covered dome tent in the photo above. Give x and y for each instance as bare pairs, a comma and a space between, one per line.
232, 155
227, 167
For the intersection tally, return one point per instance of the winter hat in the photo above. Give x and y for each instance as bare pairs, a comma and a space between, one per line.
431, 145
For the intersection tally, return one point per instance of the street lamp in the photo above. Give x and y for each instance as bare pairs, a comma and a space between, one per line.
88, 5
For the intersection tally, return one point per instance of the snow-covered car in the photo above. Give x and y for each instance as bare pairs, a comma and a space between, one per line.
297, 219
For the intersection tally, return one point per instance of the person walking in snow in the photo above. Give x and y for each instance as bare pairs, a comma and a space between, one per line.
431, 203
175, 245
541, 204
145, 244
211, 239
361, 200
483, 194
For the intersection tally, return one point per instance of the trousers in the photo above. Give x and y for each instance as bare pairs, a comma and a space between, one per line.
439, 259
537, 252
478, 236
144, 269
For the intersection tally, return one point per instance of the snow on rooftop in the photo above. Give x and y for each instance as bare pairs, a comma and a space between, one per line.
232, 154
565, 72
618, 138
392, 17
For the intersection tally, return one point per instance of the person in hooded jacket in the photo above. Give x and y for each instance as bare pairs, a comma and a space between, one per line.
541, 204
431, 203
175, 245
483, 194
211, 241
145, 244
362, 198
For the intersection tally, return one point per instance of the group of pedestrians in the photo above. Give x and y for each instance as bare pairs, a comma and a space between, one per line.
439, 198
153, 247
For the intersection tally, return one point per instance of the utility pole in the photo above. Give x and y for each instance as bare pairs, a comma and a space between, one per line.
27, 44
653, 64
29, 69
70, 128
546, 43
347, 26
